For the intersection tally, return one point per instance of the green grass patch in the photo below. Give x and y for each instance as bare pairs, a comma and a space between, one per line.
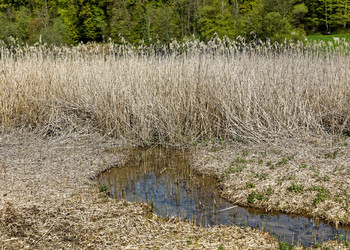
250, 185
322, 194
296, 188
233, 168
255, 196
331, 155
285, 246
103, 188
260, 195
328, 38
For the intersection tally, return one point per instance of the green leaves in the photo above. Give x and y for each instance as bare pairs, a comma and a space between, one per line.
68, 21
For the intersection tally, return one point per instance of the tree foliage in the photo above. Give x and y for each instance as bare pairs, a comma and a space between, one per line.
70, 22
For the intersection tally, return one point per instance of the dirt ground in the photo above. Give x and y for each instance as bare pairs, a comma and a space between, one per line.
49, 198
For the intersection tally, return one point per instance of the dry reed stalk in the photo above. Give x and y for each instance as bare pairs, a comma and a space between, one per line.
178, 94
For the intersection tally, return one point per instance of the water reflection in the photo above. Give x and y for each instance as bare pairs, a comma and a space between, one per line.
162, 177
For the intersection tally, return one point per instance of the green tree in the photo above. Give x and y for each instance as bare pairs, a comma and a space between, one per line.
90, 22
56, 33
299, 11
67, 12
165, 25
276, 27
127, 20
216, 18
253, 18
271, 19
14, 23
341, 13
284, 7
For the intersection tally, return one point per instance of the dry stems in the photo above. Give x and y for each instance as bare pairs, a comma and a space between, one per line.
179, 93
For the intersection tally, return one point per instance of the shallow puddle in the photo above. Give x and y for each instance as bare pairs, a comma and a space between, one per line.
163, 178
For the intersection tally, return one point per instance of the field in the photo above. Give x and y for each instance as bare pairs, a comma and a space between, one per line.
283, 110
329, 38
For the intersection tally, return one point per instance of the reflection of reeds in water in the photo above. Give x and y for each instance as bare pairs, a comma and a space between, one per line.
162, 177
166, 178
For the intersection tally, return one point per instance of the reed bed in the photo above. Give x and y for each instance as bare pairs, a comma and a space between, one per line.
178, 93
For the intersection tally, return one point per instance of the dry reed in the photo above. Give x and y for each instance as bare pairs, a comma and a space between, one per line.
178, 93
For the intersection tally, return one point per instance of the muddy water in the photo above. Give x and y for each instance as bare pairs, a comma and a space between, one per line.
163, 178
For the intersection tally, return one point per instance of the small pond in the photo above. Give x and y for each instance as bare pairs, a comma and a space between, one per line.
163, 178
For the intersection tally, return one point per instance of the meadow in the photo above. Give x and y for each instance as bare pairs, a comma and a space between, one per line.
329, 38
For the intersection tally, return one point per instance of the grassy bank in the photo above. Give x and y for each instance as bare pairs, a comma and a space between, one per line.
182, 93
297, 177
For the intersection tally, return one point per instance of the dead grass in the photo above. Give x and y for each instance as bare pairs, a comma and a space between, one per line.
48, 200
294, 176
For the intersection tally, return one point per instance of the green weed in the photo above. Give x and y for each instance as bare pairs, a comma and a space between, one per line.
250, 185
269, 191
285, 246
322, 194
296, 188
303, 166
252, 197
284, 161
259, 196
221, 247
261, 176
103, 188
331, 155
231, 169
215, 149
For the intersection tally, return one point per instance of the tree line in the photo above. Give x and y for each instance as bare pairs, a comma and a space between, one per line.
74, 21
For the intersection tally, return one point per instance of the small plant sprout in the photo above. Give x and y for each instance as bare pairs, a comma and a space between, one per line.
103, 188
296, 188
331, 155
250, 185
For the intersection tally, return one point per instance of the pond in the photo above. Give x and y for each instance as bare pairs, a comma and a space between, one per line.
163, 178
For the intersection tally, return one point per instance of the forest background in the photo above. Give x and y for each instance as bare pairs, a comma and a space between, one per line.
74, 21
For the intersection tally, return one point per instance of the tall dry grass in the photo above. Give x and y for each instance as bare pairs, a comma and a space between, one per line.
180, 92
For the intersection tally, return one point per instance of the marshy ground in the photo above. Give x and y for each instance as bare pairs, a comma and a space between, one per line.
83, 101
49, 198
310, 177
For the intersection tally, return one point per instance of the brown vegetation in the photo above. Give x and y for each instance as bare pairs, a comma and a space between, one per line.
185, 93
293, 176
49, 201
